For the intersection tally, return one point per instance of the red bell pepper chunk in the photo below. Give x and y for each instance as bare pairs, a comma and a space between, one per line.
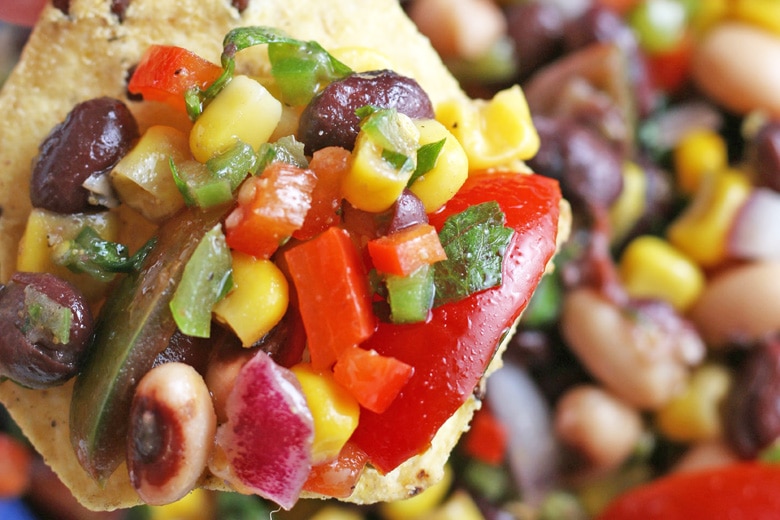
373, 380
166, 72
740, 490
451, 350
338, 477
333, 294
15, 467
486, 439
403, 252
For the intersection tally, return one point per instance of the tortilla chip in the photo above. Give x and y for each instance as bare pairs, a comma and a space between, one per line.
86, 54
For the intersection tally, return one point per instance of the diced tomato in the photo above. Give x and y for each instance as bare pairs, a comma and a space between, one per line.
338, 477
166, 72
15, 463
372, 379
450, 351
329, 164
740, 490
670, 70
270, 208
403, 252
333, 294
486, 439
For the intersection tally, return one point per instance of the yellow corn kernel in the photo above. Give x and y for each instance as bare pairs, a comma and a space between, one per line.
493, 133
460, 506
698, 153
257, 301
701, 230
630, 205
451, 170
46, 230
333, 512
372, 183
143, 178
651, 267
244, 110
362, 59
762, 13
706, 14
196, 505
694, 415
333, 408
421, 504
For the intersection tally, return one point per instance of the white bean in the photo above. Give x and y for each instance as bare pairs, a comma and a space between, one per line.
740, 304
641, 359
736, 65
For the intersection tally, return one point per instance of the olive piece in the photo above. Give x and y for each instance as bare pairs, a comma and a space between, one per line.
330, 119
88, 143
45, 330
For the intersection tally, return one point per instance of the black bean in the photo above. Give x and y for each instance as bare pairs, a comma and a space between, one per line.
765, 155
31, 353
598, 24
588, 168
330, 119
119, 7
93, 137
62, 5
752, 410
536, 28
407, 211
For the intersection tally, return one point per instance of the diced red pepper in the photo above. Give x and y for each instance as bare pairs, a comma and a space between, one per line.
333, 294
330, 165
670, 70
373, 380
338, 477
403, 252
15, 466
740, 490
486, 439
451, 350
270, 208
166, 72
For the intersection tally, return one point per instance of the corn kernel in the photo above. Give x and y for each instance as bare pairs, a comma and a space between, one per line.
257, 301
493, 133
362, 59
630, 206
334, 410
460, 506
372, 183
421, 504
698, 153
652, 268
143, 179
694, 415
451, 170
701, 230
332, 512
244, 110
196, 505
45, 230
762, 13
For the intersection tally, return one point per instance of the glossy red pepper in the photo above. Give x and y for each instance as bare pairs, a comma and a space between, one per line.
741, 490
451, 350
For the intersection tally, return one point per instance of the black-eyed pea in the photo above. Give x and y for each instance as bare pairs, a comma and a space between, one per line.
171, 433
641, 352
602, 427
736, 65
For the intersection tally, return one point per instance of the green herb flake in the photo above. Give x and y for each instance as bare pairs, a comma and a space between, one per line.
475, 241
45, 319
427, 155
286, 149
206, 279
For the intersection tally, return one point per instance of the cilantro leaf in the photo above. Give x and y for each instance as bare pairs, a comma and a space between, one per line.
427, 155
475, 241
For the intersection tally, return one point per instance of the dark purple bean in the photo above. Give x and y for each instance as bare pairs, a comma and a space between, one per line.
240, 5
752, 410
62, 5
588, 168
765, 155
31, 353
407, 211
536, 29
119, 7
330, 119
598, 24
93, 137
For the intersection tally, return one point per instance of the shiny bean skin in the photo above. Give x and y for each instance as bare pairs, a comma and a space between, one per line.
602, 427
536, 28
641, 353
407, 211
736, 65
739, 305
36, 358
89, 142
765, 155
330, 119
172, 428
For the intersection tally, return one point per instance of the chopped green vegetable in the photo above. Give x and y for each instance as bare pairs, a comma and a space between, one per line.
102, 259
45, 318
286, 149
427, 155
394, 134
410, 297
206, 279
475, 241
